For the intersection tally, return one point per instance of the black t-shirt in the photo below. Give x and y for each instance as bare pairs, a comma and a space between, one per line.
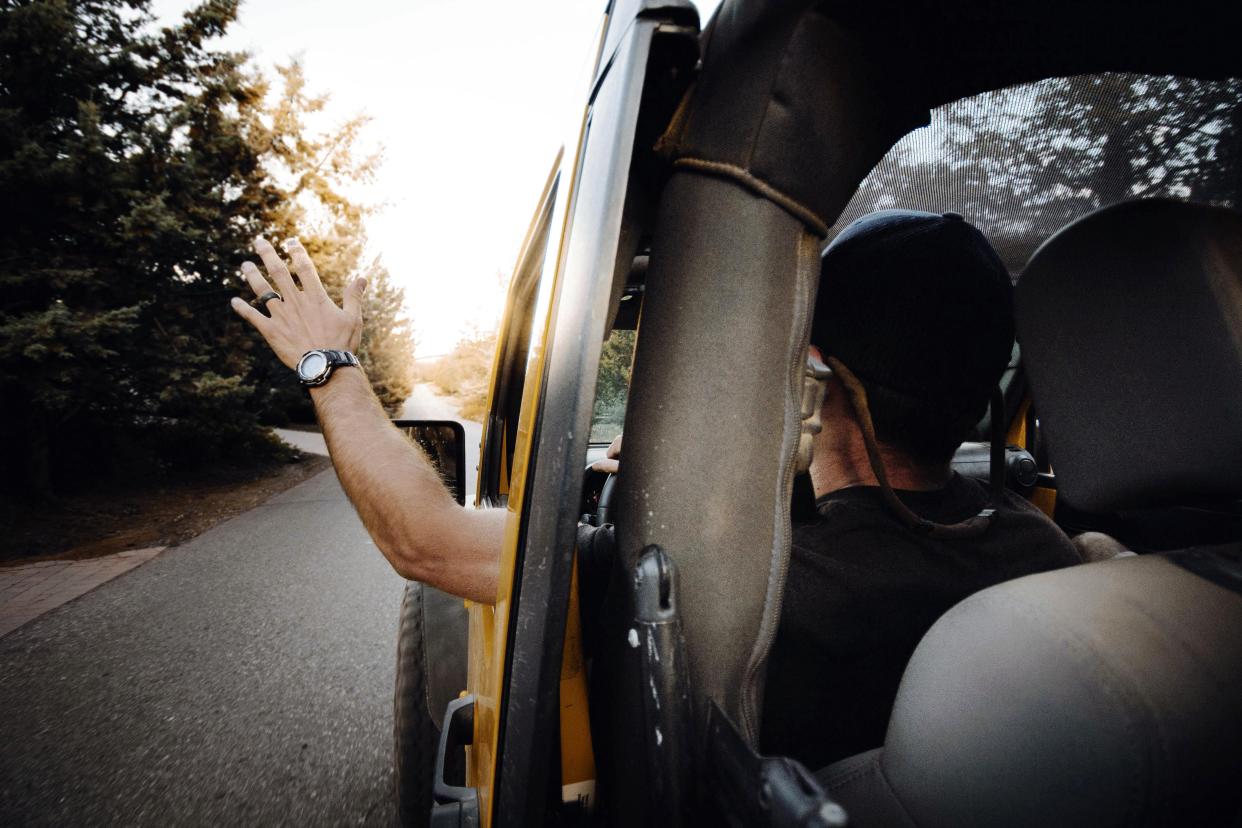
861, 592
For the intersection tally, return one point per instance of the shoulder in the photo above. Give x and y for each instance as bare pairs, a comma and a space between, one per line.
1019, 525
837, 515
1022, 523
846, 534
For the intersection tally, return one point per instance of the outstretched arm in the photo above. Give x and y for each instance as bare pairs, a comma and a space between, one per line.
403, 503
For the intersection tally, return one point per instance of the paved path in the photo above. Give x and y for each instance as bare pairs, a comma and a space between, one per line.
310, 442
243, 678
30, 590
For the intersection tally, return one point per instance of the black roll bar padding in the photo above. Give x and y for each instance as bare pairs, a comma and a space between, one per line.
747, 789
719, 362
808, 95
763, 162
664, 687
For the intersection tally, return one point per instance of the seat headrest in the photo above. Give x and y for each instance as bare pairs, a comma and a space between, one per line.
1130, 321
1103, 694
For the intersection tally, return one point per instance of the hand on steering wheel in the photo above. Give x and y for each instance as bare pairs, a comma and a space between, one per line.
612, 458
607, 468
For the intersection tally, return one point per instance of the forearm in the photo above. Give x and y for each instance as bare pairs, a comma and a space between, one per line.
420, 529
403, 503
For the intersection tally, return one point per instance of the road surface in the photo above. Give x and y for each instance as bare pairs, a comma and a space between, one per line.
245, 677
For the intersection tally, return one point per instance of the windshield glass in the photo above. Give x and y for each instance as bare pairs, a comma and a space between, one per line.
613, 387
1022, 162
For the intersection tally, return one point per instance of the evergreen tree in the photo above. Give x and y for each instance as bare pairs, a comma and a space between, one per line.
387, 342
135, 167
68, 311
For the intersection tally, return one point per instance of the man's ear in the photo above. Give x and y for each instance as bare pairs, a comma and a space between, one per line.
814, 352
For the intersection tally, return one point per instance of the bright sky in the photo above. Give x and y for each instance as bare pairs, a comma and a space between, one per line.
470, 101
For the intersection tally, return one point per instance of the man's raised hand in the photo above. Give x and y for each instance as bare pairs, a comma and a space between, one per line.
304, 318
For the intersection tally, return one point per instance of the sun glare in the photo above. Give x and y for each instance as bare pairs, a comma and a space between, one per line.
469, 103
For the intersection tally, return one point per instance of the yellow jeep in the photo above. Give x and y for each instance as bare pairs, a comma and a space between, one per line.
1100, 147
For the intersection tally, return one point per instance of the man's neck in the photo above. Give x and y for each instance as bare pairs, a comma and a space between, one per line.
840, 459
837, 467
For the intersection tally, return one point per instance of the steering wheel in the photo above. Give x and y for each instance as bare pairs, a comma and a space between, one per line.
598, 490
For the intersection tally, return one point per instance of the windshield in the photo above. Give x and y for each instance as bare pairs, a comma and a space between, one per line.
1022, 162
613, 388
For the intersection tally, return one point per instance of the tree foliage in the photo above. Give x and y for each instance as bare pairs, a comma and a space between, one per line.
463, 373
613, 386
312, 172
387, 348
136, 165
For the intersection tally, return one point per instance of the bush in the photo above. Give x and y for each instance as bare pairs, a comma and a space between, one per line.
464, 373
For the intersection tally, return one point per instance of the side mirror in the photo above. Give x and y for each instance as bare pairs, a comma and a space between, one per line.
444, 444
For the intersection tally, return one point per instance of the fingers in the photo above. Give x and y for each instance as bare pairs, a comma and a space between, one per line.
275, 267
305, 268
249, 313
250, 272
614, 448
352, 301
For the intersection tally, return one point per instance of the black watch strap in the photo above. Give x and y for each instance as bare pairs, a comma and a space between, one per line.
338, 358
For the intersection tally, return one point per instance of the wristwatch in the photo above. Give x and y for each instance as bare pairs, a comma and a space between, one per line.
316, 365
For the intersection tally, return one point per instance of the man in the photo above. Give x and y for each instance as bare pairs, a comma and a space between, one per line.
914, 314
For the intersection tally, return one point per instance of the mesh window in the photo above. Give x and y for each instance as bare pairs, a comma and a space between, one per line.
1022, 162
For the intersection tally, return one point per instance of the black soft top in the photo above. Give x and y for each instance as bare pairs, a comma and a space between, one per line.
806, 97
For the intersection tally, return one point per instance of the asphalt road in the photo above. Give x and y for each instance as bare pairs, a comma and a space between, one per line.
245, 677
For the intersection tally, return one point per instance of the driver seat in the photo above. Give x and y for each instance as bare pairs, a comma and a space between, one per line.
1108, 693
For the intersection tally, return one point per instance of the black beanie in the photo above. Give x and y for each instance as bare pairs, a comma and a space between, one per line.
919, 306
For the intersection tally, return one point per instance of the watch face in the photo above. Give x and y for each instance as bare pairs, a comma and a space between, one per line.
312, 366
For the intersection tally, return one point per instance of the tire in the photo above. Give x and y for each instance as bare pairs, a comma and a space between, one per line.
415, 735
